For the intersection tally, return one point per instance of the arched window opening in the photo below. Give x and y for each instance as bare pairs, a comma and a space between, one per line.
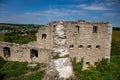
80, 46
71, 46
33, 53
44, 36
89, 46
97, 46
87, 62
6, 52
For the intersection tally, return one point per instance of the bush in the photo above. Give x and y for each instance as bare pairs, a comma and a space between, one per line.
77, 66
89, 75
2, 62
104, 70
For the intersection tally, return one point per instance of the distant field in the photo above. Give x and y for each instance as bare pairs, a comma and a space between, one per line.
28, 38
1, 37
116, 35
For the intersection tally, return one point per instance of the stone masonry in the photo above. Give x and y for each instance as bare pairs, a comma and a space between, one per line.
88, 40
60, 67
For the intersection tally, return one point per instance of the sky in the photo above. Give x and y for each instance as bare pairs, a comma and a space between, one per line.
44, 11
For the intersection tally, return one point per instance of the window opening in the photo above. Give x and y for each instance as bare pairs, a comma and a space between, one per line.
33, 53
6, 52
44, 36
97, 46
89, 46
95, 29
87, 62
54, 27
71, 46
95, 63
80, 46
78, 28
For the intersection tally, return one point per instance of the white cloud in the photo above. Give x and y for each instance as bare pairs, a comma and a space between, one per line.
94, 6
56, 12
109, 14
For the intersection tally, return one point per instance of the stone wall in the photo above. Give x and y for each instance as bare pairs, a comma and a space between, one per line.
92, 46
22, 53
82, 42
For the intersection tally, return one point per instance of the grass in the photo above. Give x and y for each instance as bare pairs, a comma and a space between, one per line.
115, 61
116, 35
35, 76
1, 37
14, 69
10, 70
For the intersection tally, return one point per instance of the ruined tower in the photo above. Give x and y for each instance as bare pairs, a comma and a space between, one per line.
60, 67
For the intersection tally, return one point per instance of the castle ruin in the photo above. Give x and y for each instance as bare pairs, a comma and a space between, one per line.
88, 40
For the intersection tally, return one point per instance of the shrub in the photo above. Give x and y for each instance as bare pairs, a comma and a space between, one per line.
104, 70
77, 66
2, 62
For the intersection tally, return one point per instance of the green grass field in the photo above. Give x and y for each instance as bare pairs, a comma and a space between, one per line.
116, 35
1, 37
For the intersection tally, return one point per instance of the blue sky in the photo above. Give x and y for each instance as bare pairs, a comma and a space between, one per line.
44, 11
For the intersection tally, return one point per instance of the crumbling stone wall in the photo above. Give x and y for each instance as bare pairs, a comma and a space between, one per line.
22, 53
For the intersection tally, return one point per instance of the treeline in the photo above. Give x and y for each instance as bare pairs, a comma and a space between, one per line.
18, 27
10, 24
116, 28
